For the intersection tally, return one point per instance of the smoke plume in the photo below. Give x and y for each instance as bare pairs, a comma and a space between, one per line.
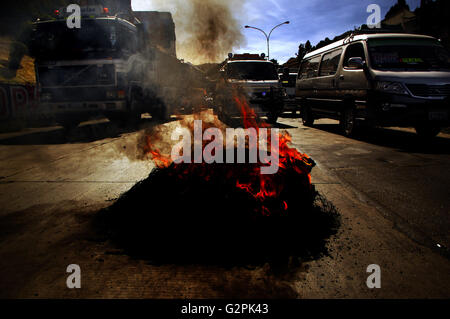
206, 29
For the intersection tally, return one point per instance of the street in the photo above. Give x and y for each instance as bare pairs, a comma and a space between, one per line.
390, 190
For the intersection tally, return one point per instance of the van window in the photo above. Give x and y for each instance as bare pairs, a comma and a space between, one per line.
408, 54
354, 51
302, 70
309, 68
330, 63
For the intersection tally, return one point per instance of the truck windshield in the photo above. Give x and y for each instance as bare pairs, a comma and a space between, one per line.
96, 38
408, 54
252, 71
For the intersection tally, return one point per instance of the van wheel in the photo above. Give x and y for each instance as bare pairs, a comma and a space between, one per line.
427, 131
307, 116
347, 122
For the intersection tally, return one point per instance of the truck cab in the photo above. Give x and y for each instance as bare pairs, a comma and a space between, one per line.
116, 65
81, 72
257, 79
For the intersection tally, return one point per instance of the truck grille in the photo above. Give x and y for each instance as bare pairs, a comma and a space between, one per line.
424, 90
78, 75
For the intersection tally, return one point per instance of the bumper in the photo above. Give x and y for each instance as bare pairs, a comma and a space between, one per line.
408, 111
88, 107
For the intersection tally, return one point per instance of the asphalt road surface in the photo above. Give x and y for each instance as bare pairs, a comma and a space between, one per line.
406, 179
391, 191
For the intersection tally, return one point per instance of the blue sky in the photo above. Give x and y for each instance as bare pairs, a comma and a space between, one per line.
309, 20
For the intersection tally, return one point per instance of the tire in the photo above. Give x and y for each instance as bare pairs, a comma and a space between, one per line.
133, 119
118, 120
272, 117
69, 125
223, 117
133, 116
161, 113
427, 131
307, 116
125, 119
347, 121
129, 118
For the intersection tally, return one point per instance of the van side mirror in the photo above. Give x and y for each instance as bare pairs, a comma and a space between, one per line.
355, 63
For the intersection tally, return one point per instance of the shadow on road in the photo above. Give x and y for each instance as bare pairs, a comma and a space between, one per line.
85, 133
402, 140
283, 126
238, 123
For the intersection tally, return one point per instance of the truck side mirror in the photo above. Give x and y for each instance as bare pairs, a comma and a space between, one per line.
356, 63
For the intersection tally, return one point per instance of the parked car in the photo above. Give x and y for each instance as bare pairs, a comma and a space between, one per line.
383, 79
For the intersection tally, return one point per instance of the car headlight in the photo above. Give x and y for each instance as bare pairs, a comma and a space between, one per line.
392, 87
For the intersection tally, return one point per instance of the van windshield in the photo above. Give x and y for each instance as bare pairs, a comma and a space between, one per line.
252, 71
408, 54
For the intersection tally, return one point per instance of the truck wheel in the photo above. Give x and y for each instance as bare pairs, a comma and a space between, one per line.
272, 117
223, 117
427, 131
161, 113
347, 121
124, 119
69, 125
133, 119
307, 116
120, 122
119, 119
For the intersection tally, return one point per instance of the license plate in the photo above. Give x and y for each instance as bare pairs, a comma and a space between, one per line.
438, 116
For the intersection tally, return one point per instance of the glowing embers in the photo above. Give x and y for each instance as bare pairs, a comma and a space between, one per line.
259, 160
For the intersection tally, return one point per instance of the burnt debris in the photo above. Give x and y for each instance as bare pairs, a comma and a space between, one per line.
195, 213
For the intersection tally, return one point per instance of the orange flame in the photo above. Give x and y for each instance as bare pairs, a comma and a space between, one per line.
269, 186
263, 188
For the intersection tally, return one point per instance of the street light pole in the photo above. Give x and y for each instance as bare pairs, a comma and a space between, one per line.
267, 36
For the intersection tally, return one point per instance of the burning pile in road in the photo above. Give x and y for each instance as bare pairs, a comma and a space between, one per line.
266, 179
207, 210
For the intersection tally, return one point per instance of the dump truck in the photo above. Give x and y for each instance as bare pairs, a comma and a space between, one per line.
117, 64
